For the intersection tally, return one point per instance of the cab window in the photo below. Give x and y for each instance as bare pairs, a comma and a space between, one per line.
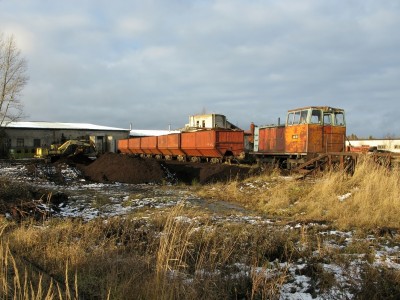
327, 119
290, 118
296, 117
339, 119
303, 116
315, 117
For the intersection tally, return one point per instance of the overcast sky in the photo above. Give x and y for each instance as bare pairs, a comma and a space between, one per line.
153, 63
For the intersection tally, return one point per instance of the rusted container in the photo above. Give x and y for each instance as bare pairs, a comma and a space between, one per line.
189, 144
212, 143
123, 146
230, 141
149, 145
134, 146
162, 141
271, 139
174, 144
170, 145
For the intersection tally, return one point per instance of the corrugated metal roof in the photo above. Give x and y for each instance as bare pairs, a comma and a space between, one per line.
58, 125
144, 132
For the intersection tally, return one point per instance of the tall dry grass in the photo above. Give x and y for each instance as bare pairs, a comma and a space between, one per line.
368, 199
96, 251
203, 262
21, 280
173, 255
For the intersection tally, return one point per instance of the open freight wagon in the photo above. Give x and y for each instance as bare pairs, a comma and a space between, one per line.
215, 145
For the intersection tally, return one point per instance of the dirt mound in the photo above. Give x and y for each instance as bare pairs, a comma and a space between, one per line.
79, 159
112, 167
205, 172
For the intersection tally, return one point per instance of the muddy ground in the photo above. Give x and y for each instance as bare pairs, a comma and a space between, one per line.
112, 167
77, 186
49, 181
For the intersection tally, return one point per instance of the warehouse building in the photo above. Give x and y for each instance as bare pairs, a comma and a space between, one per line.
22, 138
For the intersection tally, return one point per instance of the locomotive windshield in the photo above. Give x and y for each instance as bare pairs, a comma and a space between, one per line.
339, 119
298, 117
327, 118
316, 116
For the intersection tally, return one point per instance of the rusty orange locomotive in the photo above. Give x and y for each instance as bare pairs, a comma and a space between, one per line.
308, 132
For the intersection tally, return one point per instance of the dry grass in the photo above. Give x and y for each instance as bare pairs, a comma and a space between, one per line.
22, 280
174, 255
177, 255
181, 253
369, 199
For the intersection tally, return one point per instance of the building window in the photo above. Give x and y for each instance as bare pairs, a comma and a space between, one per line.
204, 123
381, 147
7, 143
36, 143
396, 146
20, 142
197, 123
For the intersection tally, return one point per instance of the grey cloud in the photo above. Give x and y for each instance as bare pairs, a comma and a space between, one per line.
154, 63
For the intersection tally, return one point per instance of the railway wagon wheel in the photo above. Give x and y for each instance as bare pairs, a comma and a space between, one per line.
181, 158
216, 160
195, 159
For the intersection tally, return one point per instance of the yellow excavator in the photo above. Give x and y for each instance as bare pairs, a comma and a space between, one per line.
67, 149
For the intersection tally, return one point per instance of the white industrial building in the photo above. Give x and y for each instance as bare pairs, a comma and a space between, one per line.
383, 145
24, 137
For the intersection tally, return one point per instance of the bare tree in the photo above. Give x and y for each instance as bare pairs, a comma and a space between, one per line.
13, 78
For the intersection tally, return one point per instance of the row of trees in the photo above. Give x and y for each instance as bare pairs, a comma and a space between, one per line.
13, 78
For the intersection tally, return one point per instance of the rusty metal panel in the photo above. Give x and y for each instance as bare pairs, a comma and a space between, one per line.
149, 145
134, 145
296, 138
272, 139
315, 139
162, 143
189, 143
174, 144
206, 143
123, 146
324, 139
335, 139
232, 141
212, 143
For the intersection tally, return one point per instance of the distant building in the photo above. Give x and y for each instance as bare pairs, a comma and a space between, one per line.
380, 145
209, 121
24, 137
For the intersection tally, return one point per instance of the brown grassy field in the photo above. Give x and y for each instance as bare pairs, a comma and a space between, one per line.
367, 200
187, 253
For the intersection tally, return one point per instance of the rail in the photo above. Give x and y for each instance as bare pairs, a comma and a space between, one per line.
344, 161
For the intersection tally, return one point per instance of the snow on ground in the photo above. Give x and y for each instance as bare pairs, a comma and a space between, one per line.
88, 200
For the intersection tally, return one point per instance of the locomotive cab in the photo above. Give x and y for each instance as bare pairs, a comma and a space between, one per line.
316, 129
307, 133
